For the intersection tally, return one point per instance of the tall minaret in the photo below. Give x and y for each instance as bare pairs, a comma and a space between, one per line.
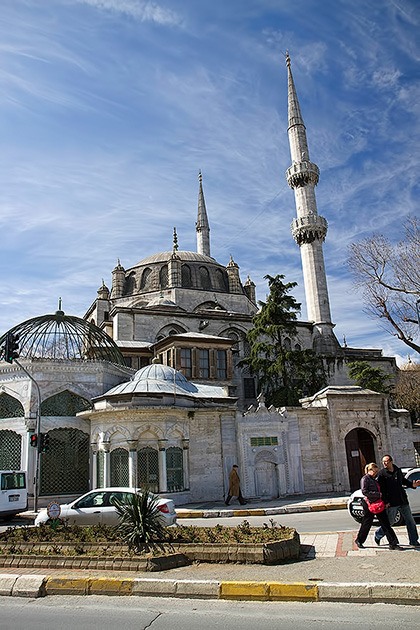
202, 225
309, 229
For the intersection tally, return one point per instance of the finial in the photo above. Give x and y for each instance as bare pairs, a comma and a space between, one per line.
200, 179
175, 247
344, 341
60, 311
119, 262
288, 62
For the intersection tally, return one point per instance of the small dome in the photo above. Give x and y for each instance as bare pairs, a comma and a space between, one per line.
159, 372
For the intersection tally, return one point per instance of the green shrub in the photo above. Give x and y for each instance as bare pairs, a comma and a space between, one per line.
140, 522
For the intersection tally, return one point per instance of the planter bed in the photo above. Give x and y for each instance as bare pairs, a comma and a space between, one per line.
118, 557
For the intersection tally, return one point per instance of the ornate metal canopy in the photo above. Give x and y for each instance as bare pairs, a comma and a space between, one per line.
63, 337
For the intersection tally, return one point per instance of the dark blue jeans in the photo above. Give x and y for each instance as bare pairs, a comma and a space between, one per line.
410, 523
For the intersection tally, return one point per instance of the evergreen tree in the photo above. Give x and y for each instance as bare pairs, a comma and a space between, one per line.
369, 377
284, 374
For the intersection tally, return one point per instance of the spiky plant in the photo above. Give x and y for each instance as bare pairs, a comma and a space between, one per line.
140, 523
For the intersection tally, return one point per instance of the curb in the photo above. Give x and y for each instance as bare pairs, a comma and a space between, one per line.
41, 585
260, 511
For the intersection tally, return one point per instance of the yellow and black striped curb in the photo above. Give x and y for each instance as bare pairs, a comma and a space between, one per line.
42, 585
290, 509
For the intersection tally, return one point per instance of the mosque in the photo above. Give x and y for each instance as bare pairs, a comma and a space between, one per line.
165, 402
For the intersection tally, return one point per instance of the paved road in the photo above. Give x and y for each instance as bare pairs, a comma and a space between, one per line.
331, 521
107, 613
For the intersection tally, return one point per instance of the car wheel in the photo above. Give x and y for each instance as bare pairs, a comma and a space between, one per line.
399, 520
356, 514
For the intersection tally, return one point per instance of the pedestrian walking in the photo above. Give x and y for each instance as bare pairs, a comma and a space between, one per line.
372, 494
234, 486
392, 484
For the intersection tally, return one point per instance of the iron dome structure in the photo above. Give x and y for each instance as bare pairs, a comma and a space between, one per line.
58, 336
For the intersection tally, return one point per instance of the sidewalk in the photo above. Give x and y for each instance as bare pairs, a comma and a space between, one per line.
331, 568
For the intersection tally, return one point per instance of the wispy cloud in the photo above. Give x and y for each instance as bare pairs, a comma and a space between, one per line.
143, 11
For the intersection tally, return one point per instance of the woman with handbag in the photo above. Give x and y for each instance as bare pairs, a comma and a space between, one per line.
374, 506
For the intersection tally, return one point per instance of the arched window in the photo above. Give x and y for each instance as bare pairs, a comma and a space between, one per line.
174, 469
10, 450
119, 467
130, 284
205, 278
298, 347
65, 403
163, 277
10, 407
186, 276
145, 278
64, 467
148, 468
287, 343
221, 280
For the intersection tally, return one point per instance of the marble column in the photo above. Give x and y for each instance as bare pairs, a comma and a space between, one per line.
132, 463
185, 462
107, 463
162, 466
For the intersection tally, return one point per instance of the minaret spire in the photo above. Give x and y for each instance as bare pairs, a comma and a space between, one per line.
309, 229
202, 225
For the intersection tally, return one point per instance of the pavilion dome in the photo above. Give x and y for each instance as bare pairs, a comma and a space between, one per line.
59, 336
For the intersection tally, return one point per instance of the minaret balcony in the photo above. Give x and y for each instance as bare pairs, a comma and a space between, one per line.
308, 229
302, 173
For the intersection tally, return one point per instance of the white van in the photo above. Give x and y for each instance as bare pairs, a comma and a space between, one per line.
13, 493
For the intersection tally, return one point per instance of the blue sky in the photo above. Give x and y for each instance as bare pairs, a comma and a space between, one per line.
109, 108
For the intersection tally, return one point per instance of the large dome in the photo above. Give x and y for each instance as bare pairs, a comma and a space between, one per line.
63, 337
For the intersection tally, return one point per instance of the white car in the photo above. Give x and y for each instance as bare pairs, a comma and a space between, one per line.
355, 507
98, 507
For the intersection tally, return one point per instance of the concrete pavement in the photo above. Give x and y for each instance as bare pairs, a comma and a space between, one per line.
331, 568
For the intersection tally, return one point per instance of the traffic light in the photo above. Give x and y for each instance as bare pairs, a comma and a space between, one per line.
44, 442
11, 348
34, 440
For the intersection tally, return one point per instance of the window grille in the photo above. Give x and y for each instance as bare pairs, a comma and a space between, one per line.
119, 467
65, 403
174, 469
100, 469
204, 364
64, 467
186, 276
249, 388
417, 452
264, 441
221, 364
144, 278
10, 407
163, 277
130, 284
148, 468
205, 278
221, 280
10, 450
186, 362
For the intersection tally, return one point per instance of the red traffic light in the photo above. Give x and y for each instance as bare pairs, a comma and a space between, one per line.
34, 440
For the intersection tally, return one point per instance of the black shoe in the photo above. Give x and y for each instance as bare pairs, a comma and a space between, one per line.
417, 545
377, 540
244, 502
395, 547
359, 544
226, 503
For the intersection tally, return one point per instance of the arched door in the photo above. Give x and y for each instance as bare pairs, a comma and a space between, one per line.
265, 480
360, 450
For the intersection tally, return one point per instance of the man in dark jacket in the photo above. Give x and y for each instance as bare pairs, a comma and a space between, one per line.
391, 482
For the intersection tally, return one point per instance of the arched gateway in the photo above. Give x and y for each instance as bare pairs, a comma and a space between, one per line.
360, 450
